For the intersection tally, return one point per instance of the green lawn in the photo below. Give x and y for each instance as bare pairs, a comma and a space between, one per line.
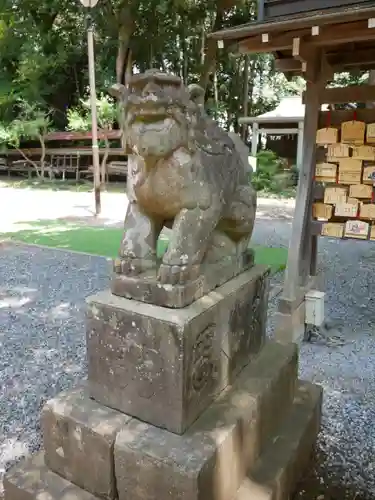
105, 241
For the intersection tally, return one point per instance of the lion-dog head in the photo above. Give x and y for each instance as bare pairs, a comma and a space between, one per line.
158, 113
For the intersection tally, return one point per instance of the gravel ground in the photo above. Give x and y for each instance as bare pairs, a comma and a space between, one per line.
42, 336
42, 351
345, 465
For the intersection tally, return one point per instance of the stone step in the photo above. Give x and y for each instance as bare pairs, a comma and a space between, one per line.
139, 460
78, 437
286, 456
210, 460
31, 479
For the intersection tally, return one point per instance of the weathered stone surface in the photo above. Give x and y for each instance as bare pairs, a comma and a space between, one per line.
291, 327
32, 480
78, 437
277, 471
185, 173
210, 460
146, 287
166, 366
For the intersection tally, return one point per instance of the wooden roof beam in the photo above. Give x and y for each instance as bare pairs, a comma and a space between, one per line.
361, 31
323, 36
356, 58
286, 24
341, 95
344, 61
288, 65
261, 43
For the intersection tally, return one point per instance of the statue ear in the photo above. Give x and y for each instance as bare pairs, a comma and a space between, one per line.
196, 94
118, 90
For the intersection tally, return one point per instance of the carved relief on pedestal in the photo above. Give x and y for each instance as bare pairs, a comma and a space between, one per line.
246, 321
203, 368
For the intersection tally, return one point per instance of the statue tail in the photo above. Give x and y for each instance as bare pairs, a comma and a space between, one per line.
243, 151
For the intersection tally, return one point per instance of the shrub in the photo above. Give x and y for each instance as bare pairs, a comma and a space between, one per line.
271, 175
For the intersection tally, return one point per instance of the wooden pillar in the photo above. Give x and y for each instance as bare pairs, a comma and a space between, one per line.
299, 146
291, 311
254, 139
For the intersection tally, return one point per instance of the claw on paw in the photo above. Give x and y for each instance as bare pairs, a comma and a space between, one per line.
125, 266
177, 275
132, 266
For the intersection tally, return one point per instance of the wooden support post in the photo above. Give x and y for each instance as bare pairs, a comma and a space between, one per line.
299, 146
254, 139
314, 255
302, 212
291, 314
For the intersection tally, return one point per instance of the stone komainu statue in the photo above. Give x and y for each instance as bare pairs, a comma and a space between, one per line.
184, 173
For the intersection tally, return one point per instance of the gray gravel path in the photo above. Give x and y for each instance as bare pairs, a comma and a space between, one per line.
42, 336
346, 465
42, 351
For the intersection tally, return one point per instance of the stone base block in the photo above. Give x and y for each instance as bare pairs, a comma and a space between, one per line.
146, 288
32, 480
79, 436
253, 443
291, 327
209, 462
284, 460
166, 366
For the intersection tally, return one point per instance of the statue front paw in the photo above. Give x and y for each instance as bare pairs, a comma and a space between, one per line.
130, 266
177, 275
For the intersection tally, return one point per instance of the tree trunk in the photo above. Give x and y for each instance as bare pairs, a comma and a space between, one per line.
103, 166
211, 44
29, 160
126, 28
43, 157
203, 44
245, 95
210, 53
123, 45
216, 95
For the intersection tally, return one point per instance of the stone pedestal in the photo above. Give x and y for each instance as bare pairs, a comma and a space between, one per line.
166, 366
180, 404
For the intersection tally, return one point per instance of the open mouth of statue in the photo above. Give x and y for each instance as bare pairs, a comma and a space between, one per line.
150, 116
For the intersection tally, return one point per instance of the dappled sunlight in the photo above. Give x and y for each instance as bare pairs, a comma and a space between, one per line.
275, 209
60, 311
274, 214
13, 302
12, 449
59, 205
17, 297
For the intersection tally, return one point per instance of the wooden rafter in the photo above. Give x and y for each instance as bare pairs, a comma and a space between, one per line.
274, 43
339, 61
326, 36
346, 59
288, 65
289, 23
354, 93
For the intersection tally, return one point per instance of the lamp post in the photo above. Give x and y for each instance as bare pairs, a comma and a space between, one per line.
89, 4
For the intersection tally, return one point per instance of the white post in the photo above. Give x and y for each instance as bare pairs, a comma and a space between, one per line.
94, 123
299, 159
89, 4
254, 139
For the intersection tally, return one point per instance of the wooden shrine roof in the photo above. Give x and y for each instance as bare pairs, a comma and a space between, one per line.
346, 36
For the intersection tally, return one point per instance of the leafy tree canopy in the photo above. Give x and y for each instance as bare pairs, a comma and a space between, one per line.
43, 54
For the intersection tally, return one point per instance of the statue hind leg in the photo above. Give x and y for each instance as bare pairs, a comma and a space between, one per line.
240, 218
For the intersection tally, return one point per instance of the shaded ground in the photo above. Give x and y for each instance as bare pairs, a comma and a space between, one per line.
42, 350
